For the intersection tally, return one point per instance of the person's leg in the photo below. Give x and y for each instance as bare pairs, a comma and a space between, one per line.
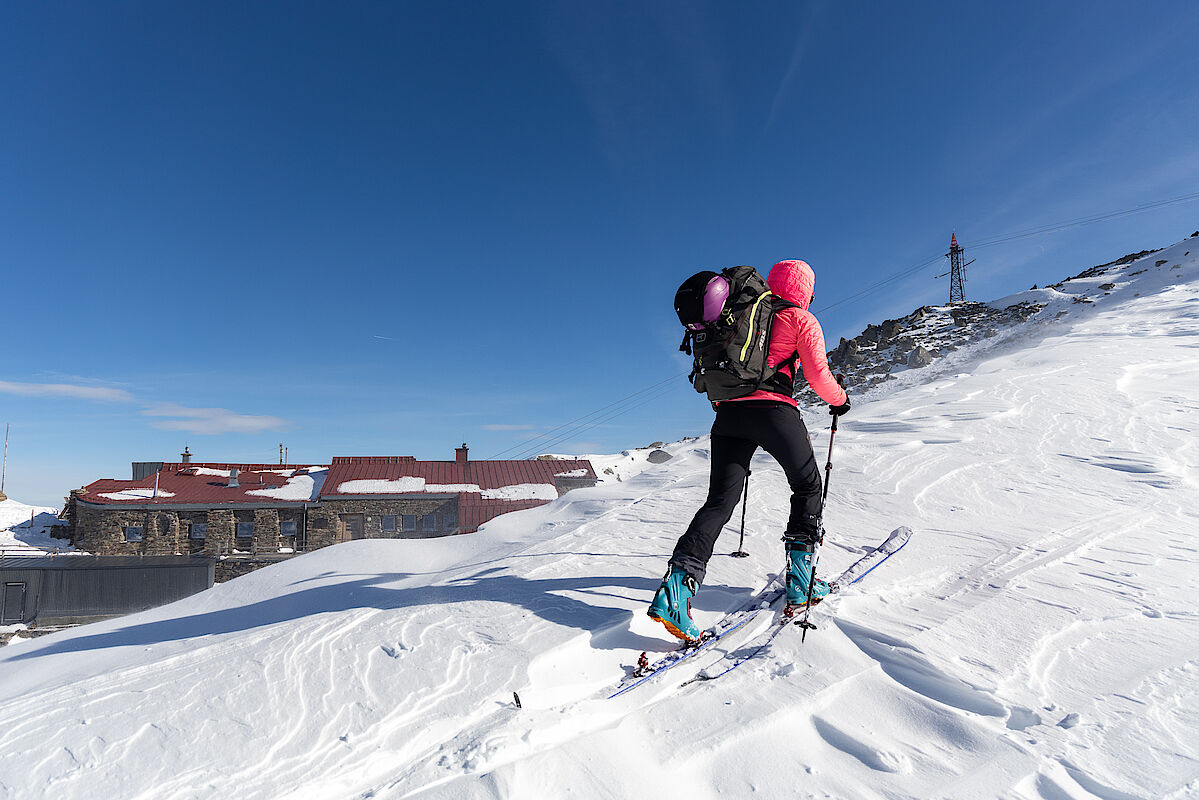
783, 435
730, 464
786, 439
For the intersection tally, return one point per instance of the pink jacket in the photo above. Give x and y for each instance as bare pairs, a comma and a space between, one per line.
796, 330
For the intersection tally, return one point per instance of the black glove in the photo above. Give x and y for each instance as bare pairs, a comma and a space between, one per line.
837, 411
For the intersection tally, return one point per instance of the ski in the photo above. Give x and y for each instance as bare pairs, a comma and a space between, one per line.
856, 571
734, 620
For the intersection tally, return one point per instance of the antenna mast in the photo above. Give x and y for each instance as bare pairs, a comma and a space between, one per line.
4, 465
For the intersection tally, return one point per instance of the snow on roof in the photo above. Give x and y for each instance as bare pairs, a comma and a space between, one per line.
136, 494
409, 485
523, 491
298, 487
208, 484
501, 480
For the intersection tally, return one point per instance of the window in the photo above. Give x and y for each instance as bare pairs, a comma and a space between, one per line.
450, 521
389, 523
428, 522
133, 533
198, 530
410, 522
245, 530
287, 528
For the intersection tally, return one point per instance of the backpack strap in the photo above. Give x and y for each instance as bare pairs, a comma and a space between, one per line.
685, 347
779, 382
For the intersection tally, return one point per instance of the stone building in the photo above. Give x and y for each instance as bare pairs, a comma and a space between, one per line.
264, 510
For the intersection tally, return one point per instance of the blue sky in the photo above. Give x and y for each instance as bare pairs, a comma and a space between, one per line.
387, 228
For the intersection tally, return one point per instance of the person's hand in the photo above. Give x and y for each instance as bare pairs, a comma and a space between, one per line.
837, 411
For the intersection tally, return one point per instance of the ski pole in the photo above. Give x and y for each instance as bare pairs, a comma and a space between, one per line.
828, 471
744, 502
828, 465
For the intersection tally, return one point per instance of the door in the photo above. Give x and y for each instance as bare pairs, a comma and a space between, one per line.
349, 526
14, 604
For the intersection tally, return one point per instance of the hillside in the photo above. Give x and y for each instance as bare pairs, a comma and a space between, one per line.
27, 529
1037, 638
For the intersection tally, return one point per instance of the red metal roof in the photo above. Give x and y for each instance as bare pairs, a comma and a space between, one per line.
186, 487
179, 484
484, 474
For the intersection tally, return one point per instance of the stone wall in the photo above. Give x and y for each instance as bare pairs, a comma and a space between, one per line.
266, 531
220, 532
323, 519
167, 531
102, 531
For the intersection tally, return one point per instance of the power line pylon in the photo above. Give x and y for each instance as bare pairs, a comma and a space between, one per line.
957, 270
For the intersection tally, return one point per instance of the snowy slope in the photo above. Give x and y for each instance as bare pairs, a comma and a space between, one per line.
1037, 639
25, 530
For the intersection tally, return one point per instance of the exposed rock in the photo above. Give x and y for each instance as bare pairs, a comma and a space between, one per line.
659, 457
1106, 286
1160, 261
889, 330
920, 357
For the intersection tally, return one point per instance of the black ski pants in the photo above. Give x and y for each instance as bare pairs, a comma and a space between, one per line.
739, 430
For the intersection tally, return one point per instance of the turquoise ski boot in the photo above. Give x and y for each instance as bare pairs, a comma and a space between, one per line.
672, 605
799, 575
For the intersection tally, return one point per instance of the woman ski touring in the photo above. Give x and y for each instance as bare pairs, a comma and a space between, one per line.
766, 417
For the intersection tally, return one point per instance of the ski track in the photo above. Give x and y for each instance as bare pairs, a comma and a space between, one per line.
1029, 643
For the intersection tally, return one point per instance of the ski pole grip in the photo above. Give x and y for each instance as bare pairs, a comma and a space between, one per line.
840, 382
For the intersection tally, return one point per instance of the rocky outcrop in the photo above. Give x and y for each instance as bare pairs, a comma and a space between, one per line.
917, 340
920, 357
659, 457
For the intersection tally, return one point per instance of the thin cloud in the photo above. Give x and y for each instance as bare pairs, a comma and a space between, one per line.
802, 44
506, 427
99, 393
211, 420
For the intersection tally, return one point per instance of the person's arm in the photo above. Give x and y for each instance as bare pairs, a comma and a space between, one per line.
810, 346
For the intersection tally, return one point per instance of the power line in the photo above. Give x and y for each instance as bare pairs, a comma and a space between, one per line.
571, 434
1061, 226
528, 443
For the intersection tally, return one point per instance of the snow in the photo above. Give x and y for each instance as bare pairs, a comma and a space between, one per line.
626, 464
25, 530
574, 473
298, 487
1037, 639
213, 473
400, 486
410, 485
523, 491
1048, 296
136, 494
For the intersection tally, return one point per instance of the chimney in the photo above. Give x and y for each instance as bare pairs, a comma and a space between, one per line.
460, 455
233, 473
186, 455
